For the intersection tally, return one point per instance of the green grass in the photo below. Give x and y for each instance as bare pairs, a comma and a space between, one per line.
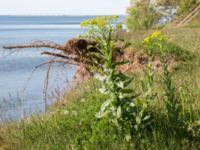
73, 126
71, 123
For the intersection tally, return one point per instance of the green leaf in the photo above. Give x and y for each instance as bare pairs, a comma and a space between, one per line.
119, 112
120, 63
128, 81
120, 84
138, 120
128, 137
146, 118
132, 104
126, 44
102, 111
127, 91
103, 90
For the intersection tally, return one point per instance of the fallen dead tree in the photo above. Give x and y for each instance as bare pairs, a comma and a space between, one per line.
75, 52
73, 49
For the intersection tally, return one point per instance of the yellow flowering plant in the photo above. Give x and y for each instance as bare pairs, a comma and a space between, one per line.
122, 105
176, 113
154, 43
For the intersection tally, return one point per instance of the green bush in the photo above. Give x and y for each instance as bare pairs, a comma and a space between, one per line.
141, 16
186, 5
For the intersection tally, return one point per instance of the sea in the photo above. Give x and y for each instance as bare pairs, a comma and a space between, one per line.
22, 82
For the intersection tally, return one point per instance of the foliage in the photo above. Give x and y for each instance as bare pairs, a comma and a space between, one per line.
154, 43
125, 111
180, 117
141, 16
186, 5
74, 127
154, 46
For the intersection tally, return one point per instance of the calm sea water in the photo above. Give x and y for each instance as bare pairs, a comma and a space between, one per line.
16, 69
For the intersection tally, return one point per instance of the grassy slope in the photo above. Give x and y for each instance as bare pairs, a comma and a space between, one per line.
71, 124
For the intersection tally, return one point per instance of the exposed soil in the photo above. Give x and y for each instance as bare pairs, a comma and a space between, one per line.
138, 60
136, 63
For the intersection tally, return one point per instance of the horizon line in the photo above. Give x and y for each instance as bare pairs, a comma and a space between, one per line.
61, 15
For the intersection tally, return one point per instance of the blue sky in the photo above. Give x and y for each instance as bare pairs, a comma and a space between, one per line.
63, 7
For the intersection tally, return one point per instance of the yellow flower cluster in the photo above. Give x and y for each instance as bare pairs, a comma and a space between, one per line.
157, 35
99, 21
147, 40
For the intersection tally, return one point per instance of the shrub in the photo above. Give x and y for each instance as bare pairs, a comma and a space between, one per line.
186, 5
141, 16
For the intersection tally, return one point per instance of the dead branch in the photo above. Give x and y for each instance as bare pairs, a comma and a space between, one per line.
38, 44
70, 58
46, 84
56, 55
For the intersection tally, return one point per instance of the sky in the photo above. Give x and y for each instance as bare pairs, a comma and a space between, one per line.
63, 7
